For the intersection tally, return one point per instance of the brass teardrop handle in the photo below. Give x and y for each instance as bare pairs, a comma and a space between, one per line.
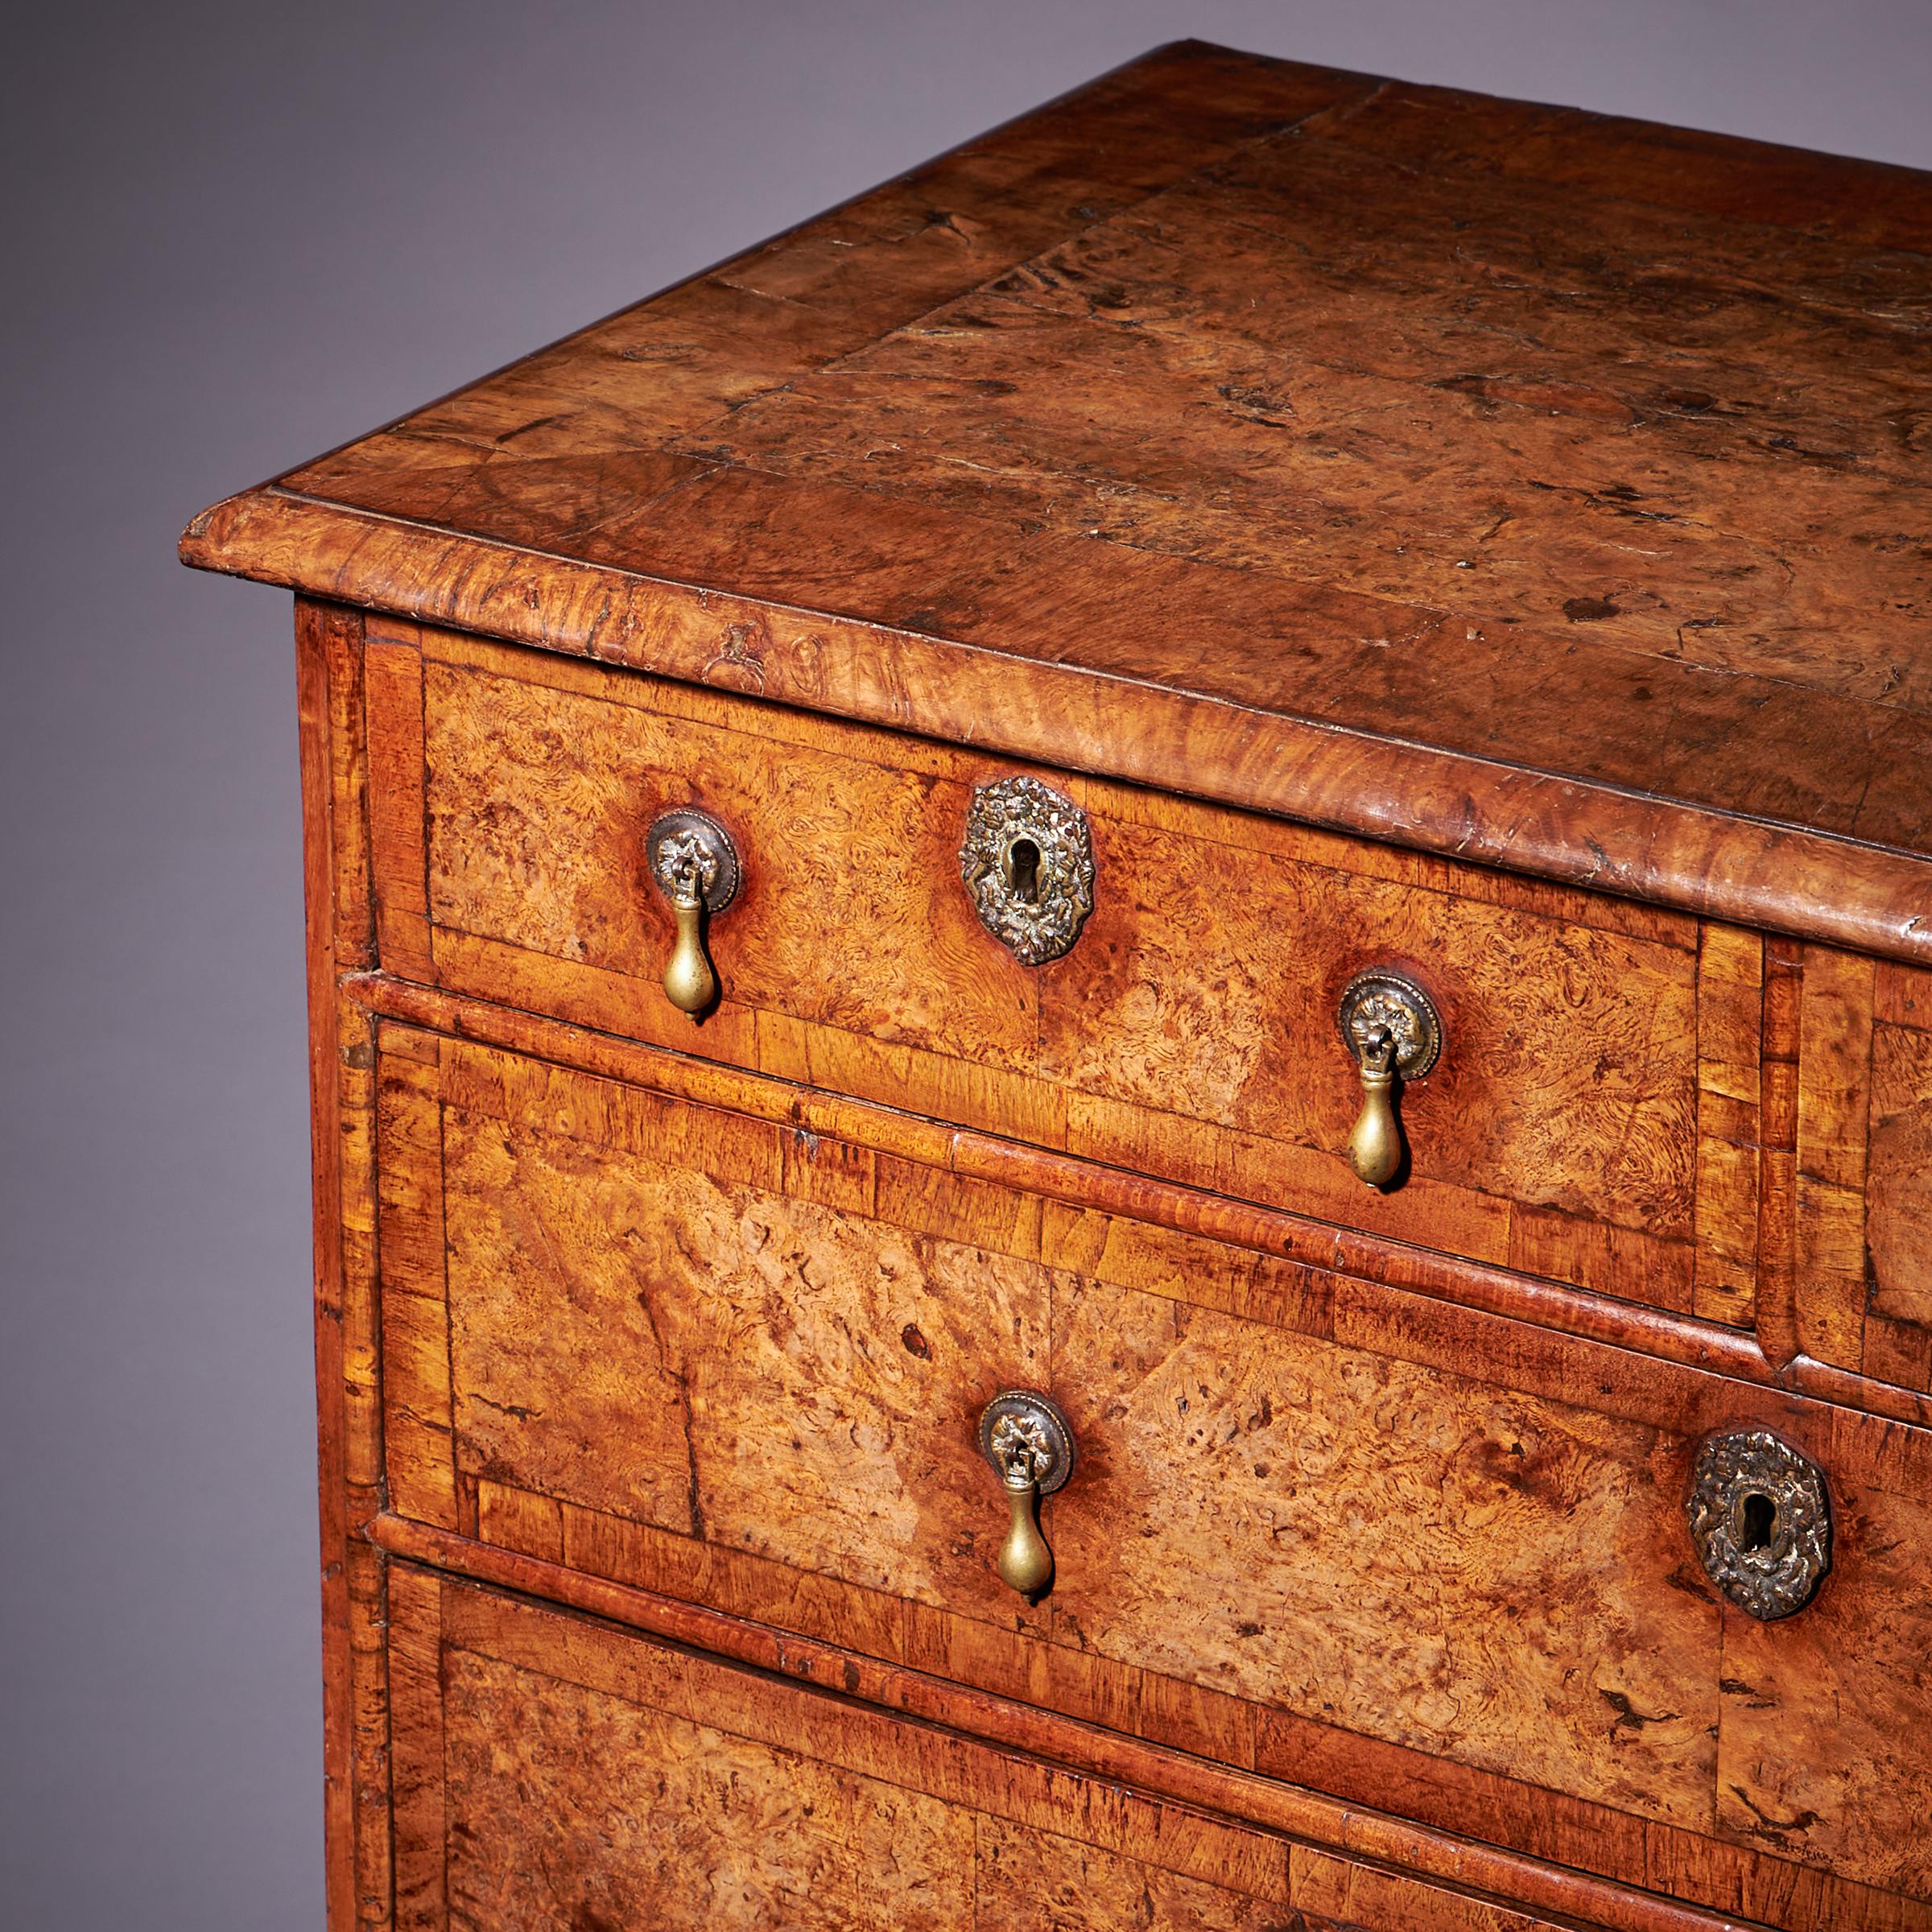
1375, 1143
1024, 1437
1391, 1028
696, 865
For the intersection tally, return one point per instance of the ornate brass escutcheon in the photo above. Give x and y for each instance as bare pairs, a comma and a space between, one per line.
1393, 1031
696, 865
1027, 862
1761, 1517
1024, 1437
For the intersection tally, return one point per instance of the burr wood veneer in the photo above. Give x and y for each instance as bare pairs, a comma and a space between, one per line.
1378, 528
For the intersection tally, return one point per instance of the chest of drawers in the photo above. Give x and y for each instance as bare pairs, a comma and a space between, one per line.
1122, 1044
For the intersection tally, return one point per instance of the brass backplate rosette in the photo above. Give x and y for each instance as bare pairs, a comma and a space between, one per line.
688, 844
1022, 1420
1379, 1000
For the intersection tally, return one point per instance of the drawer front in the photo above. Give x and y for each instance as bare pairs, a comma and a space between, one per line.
551, 1772
1418, 1556
1592, 1117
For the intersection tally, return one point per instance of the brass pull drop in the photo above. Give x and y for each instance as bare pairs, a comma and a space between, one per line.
1025, 1563
1375, 1144
1026, 1438
689, 983
1391, 1027
696, 865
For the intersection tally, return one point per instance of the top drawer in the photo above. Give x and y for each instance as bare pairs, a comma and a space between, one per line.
1190, 1031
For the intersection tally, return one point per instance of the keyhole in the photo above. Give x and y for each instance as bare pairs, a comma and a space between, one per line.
1757, 1521
1023, 870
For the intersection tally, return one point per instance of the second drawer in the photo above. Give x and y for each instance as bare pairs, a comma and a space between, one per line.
1315, 1526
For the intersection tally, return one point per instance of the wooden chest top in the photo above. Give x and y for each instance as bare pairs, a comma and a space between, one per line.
1487, 478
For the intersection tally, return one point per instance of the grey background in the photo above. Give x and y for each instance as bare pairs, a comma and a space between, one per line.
241, 234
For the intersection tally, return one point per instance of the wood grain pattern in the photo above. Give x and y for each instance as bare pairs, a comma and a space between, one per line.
1863, 1207
1206, 985
538, 802
1164, 1711
1490, 1582
1850, 1677
873, 1461
1048, 1879
1182, 1034
655, 1327
574, 1806
1258, 404
1898, 1205
393, 694
1780, 1023
1178, 1036
1730, 1055
417, 1427
1350, 1894
628, 1337
1666, 167
1193, 420
417, 1773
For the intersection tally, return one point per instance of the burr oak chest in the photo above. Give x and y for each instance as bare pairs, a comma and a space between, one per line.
1121, 987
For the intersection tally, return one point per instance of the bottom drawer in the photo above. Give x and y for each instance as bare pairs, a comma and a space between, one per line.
553, 1772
